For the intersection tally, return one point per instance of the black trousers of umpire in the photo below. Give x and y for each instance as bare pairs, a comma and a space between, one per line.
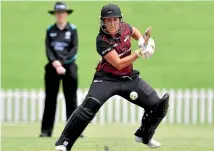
102, 88
52, 83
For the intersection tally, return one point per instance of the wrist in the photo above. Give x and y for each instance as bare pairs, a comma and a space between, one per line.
138, 52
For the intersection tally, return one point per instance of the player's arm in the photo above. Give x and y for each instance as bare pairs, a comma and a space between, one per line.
72, 54
109, 53
113, 58
51, 57
49, 52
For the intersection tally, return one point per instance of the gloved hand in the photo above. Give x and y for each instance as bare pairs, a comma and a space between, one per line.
146, 51
141, 43
150, 49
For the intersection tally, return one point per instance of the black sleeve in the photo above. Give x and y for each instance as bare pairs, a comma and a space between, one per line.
49, 52
103, 47
71, 55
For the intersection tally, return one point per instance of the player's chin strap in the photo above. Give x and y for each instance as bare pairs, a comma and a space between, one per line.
151, 119
78, 121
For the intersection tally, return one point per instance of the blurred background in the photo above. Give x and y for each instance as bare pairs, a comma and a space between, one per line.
183, 65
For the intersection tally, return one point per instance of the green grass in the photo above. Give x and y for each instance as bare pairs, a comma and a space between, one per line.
117, 137
183, 32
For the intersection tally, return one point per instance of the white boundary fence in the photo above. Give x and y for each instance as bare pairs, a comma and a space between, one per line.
194, 106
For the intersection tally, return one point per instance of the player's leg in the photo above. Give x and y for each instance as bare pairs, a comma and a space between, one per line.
70, 84
98, 93
150, 121
77, 122
155, 109
52, 81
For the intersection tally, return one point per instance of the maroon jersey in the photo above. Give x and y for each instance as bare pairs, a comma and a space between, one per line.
121, 43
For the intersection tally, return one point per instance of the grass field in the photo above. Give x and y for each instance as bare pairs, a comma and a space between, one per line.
184, 35
117, 137
183, 32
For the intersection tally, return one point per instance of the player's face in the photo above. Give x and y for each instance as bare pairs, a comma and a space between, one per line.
61, 16
112, 25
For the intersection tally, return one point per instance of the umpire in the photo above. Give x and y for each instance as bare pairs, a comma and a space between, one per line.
61, 49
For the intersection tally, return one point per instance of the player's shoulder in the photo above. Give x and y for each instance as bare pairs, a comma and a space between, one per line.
100, 37
126, 28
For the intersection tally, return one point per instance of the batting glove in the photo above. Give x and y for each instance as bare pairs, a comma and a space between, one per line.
146, 51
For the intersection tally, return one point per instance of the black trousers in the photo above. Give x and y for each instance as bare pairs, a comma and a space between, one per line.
102, 88
105, 86
52, 83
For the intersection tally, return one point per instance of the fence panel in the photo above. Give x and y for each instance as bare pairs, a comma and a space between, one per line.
186, 106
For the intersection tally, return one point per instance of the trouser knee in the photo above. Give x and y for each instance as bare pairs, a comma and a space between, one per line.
89, 108
78, 122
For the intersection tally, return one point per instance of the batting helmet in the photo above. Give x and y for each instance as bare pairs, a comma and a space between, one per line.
110, 10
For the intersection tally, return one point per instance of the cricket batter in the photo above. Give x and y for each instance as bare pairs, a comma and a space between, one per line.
115, 76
